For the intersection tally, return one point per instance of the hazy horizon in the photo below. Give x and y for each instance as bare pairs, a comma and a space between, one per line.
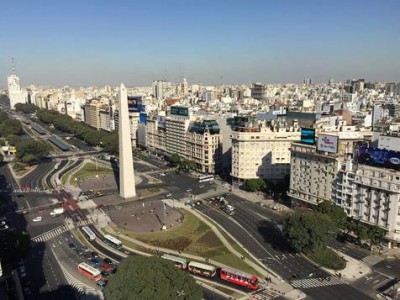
97, 43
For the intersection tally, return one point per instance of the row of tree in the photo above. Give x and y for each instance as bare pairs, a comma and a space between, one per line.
184, 165
28, 150
64, 123
311, 230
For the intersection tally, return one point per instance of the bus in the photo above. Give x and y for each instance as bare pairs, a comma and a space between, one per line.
89, 272
202, 269
206, 178
239, 278
180, 263
89, 233
112, 242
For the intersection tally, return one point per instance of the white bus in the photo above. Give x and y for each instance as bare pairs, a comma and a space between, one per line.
89, 272
112, 242
89, 233
206, 178
201, 269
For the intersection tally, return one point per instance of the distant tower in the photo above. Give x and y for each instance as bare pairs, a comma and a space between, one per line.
15, 93
126, 173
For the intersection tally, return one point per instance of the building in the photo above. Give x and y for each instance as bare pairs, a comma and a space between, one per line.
203, 146
315, 165
368, 189
259, 91
311, 174
260, 150
15, 93
176, 125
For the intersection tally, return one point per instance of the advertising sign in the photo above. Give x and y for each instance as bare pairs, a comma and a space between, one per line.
135, 104
327, 143
179, 111
377, 157
307, 136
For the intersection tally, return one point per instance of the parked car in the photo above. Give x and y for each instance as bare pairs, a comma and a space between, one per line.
107, 261
101, 283
95, 262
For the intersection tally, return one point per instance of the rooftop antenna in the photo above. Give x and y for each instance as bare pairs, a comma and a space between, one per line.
13, 69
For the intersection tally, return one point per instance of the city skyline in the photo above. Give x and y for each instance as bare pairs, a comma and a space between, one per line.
101, 43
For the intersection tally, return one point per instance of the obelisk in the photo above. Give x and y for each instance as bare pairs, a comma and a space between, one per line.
126, 173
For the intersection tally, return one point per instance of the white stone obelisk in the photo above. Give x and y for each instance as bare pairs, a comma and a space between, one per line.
126, 173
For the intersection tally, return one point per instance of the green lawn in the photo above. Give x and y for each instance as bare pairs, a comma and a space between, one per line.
194, 237
90, 170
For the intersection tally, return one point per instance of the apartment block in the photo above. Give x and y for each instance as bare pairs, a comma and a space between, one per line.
260, 150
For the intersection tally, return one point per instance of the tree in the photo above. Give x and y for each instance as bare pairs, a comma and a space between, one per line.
308, 230
30, 151
254, 185
141, 277
375, 235
26, 108
336, 213
175, 159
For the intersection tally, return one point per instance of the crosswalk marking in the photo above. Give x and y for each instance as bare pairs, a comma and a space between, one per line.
83, 222
264, 294
315, 282
372, 260
57, 231
49, 235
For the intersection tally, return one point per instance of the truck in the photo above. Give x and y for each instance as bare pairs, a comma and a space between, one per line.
57, 211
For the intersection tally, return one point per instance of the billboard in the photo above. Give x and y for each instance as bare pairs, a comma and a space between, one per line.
327, 143
377, 157
135, 104
307, 136
161, 121
179, 111
143, 118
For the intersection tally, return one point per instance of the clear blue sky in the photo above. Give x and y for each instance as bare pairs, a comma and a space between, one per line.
98, 42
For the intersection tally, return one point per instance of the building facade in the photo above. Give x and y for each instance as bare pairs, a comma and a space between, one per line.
260, 150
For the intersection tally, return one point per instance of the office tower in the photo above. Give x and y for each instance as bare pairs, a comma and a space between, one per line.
15, 93
126, 173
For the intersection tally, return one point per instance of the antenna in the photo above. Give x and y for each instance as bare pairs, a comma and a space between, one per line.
13, 69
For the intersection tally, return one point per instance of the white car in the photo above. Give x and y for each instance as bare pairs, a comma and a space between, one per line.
37, 219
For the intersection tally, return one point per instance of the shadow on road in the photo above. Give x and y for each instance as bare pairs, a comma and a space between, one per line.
273, 236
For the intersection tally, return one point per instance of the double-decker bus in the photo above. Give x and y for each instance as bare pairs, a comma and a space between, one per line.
112, 242
201, 269
89, 272
89, 233
206, 178
180, 263
239, 278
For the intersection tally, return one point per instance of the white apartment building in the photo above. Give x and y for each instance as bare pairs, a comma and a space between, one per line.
260, 151
15, 93
156, 134
175, 139
372, 196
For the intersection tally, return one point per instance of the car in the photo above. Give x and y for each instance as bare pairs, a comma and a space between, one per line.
168, 195
95, 262
101, 283
108, 261
37, 219
198, 202
162, 174
20, 196
94, 254
4, 228
188, 190
72, 245
79, 251
105, 274
88, 256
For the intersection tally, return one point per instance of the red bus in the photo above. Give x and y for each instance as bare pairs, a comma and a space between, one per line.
239, 278
89, 272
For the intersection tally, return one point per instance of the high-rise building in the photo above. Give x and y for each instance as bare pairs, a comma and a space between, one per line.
15, 93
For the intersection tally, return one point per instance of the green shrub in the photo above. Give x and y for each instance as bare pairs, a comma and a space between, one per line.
327, 258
